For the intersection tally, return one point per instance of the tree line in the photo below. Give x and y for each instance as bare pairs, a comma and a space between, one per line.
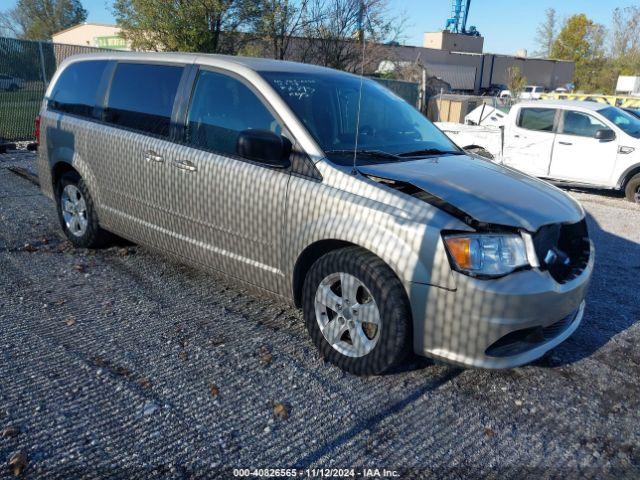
325, 32
601, 54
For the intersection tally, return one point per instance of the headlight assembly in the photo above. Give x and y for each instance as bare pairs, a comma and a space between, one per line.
490, 255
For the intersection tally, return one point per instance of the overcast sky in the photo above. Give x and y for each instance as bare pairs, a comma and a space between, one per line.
507, 25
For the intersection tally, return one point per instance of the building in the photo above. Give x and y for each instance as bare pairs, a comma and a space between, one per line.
453, 42
459, 61
92, 35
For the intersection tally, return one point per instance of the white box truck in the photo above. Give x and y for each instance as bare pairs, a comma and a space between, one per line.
628, 85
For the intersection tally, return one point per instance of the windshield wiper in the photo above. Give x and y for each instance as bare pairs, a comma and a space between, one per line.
369, 153
430, 151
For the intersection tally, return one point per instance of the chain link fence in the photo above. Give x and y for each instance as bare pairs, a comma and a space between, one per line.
26, 67
409, 91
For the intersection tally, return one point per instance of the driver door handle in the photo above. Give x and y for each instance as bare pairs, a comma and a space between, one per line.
185, 165
151, 156
565, 143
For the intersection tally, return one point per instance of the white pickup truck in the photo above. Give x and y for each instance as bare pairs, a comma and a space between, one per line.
584, 144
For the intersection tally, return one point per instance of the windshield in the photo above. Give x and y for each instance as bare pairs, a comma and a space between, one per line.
623, 120
390, 129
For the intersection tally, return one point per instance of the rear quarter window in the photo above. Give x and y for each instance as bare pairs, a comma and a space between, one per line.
539, 119
142, 96
76, 89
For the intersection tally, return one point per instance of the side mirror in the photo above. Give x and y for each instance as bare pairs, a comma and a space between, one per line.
605, 135
264, 146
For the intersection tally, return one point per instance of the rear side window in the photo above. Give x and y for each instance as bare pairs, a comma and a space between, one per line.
77, 88
540, 119
142, 96
222, 107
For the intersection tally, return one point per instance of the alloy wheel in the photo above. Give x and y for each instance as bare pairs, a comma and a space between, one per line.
74, 210
347, 315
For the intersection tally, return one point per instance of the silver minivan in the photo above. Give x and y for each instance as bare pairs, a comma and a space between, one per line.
321, 188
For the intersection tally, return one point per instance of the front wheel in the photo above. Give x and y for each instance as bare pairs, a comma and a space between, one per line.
632, 190
356, 312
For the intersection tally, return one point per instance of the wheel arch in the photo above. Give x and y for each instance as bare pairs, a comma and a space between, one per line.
59, 169
307, 258
317, 249
627, 175
63, 160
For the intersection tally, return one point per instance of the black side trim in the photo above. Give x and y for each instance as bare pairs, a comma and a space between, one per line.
302, 165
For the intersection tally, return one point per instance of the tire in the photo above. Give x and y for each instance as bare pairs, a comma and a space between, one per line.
480, 152
387, 343
87, 234
632, 189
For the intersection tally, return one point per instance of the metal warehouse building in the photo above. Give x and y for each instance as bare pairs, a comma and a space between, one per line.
473, 70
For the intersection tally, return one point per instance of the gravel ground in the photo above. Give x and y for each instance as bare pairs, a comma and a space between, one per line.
122, 363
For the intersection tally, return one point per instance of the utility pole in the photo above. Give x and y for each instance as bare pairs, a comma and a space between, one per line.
361, 22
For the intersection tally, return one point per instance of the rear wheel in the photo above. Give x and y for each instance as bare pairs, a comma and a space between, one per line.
632, 190
77, 214
356, 311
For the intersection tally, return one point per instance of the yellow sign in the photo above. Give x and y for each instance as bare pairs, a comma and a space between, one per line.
623, 101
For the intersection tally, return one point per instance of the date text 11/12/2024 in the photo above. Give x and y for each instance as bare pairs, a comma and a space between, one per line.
316, 472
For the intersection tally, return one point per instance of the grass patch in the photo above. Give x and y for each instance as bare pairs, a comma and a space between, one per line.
17, 112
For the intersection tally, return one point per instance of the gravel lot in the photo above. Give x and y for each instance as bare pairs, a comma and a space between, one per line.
122, 363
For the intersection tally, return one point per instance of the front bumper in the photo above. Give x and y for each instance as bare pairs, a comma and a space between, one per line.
499, 323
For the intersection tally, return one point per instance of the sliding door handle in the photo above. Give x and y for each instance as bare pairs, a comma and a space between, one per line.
151, 156
185, 165
565, 143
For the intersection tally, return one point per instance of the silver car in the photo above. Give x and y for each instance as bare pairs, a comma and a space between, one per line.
391, 240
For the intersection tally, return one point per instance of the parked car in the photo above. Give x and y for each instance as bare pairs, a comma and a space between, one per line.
10, 84
532, 92
392, 241
496, 89
587, 144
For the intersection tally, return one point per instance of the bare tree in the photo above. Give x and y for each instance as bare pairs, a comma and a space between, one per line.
279, 22
8, 27
625, 32
340, 33
546, 33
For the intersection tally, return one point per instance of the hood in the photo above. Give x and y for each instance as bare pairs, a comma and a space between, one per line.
484, 191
